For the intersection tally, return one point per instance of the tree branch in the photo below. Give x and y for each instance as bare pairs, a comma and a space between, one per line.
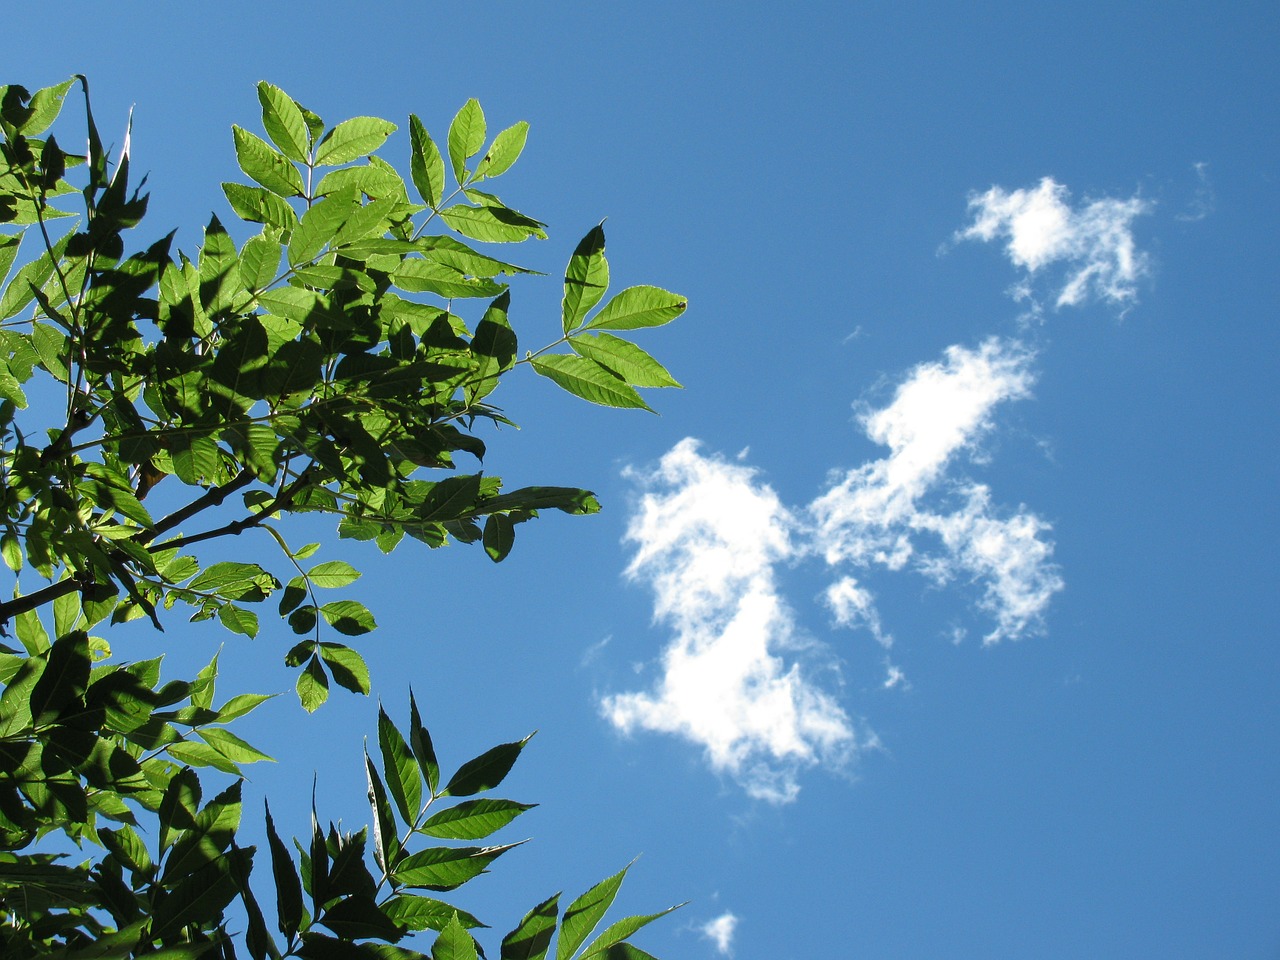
210, 498
19, 605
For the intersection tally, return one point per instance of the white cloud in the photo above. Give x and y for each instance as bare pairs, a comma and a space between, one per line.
877, 513
720, 932
1094, 241
708, 537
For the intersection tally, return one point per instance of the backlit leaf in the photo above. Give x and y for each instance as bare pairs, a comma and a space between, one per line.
283, 121
638, 307
263, 163
466, 137
352, 138
623, 358
589, 380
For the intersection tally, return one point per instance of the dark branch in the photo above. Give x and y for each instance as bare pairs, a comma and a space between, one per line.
19, 605
210, 498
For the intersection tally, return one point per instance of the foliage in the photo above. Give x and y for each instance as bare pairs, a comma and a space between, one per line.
318, 366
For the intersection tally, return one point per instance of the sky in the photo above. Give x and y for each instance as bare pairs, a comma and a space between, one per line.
935, 616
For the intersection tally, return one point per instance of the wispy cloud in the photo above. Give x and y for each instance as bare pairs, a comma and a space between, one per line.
708, 536
1094, 242
906, 508
720, 932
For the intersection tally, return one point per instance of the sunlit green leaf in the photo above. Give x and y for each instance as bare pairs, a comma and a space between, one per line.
333, 573
346, 665
589, 380
231, 746
582, 916
263, 163
401, 769
530, 940
466, 137
492, 224
473, 819
352, 138
638, 307
426, 166
586, 279
624, 359
283, 121
446, 868
453, 943
313, 686
504, 151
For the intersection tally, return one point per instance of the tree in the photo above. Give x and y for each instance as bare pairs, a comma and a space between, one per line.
151, 403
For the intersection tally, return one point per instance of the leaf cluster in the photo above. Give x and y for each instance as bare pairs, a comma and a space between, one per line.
153, 401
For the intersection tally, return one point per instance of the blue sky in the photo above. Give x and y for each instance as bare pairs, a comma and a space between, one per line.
936, 615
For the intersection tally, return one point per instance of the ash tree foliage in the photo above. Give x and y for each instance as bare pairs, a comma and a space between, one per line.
154, 402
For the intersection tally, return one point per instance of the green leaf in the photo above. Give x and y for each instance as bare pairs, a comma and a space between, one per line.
623, 358
201, 755
231, 746
466, 137
258, 205
11, 550
346, 665
456, 254
241, 704
352, 138
426, 166
586, 278
349, 617
43, 108
386, 847
401, 769
29, 278
259, 261
584, 913
499, 536
179, 806
428, 276
530, 940
127, 847
589, 380
618, 931
313, 686
263, 163
238, 620
333, 573
505, 150
492, 224
446, 868
638, 307
424, 913
453, 943
65, 677
282, 119
8, 252
473, 819
319, 225
494, 346
423, 750
485, 771
358, 917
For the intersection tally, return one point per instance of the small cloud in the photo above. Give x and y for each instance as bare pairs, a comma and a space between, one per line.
708, 537
1093, 241
894, 677
1204, 201
592, 653
720, 932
